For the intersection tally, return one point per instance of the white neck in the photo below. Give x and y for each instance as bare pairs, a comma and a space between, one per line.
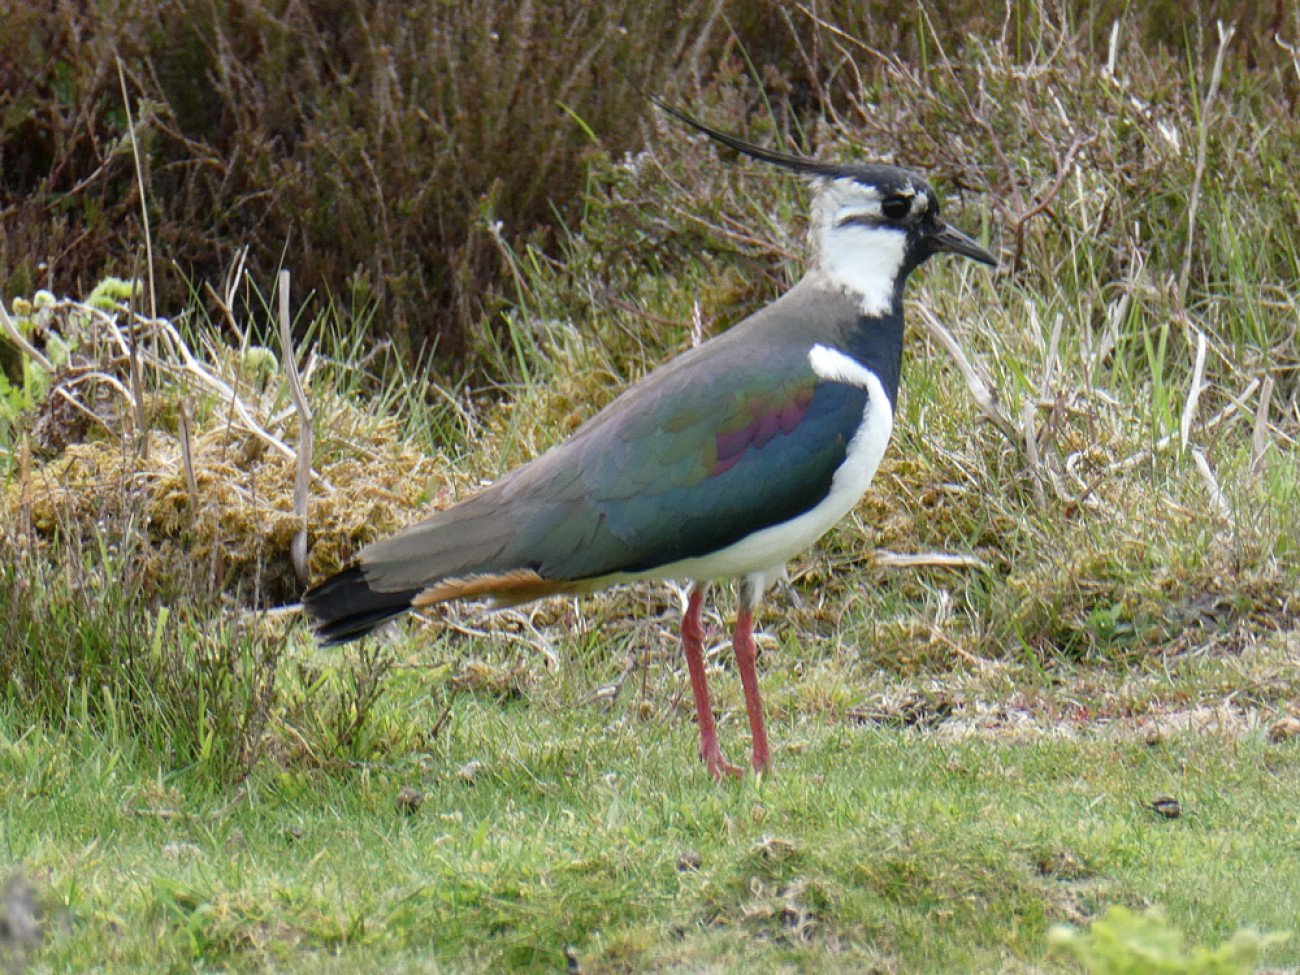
865, 262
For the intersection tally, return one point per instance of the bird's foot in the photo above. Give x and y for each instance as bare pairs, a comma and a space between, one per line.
718, 766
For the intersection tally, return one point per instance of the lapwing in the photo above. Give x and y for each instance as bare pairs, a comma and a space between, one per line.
722, 464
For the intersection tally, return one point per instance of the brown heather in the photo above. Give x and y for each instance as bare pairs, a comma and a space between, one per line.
370, 146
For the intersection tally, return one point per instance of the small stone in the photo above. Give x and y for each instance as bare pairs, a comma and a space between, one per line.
689, 860
469, 771
1167, 806
20, 925
1153, 736
1285, 729
293, 833
408, 801
181, 851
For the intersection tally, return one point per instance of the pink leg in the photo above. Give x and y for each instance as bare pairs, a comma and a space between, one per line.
693, 641
743, 644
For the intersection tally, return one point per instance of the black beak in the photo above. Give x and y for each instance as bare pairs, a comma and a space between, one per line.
952, 240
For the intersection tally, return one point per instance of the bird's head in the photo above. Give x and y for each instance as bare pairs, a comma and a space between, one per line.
871, 224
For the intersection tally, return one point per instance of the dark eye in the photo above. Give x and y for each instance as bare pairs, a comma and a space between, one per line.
896, 207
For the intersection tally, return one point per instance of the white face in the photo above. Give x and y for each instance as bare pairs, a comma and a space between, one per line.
859, 238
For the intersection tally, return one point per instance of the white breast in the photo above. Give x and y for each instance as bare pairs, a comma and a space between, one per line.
761, 557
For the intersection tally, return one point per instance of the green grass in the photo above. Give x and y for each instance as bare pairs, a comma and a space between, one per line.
873, 846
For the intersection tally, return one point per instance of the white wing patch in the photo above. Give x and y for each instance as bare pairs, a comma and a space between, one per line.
836, 367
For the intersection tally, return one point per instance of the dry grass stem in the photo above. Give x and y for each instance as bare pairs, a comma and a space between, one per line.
1193, 390
141, 187
981, 388
187, 451
1259, 438
306, 430
19, 340
1219, 502
913, 560
1202, 145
